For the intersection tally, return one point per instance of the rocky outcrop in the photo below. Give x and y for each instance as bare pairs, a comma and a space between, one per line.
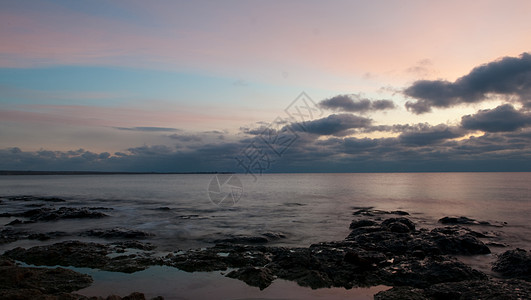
514, 264
92, 255
465, 290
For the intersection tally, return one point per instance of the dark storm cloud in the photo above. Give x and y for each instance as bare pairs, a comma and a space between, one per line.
501, 118
333, 124
148, 129
509, 76
429, 135
354, 103
419, 147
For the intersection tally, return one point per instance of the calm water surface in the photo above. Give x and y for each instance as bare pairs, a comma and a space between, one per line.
306, 208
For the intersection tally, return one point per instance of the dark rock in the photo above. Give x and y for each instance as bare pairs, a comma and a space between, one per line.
514, 264
69, 253
9, 235
464, 290
259, 277
399, 225
480, 289
400, 213
461, 221
80, 254
51, 214
412, 272
42, 280
363, 230
274, 235
243, 240
15, 222
118, 233
361, 223
34, 198
455, 242
402, 293
46, 236
134, 245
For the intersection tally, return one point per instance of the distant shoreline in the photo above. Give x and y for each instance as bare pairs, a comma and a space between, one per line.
100, 173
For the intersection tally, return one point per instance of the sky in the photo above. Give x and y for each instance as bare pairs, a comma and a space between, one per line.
265, 86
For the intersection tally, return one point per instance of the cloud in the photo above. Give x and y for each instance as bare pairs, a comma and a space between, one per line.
333, 124
148, 129
502, 118
429, 135
185, 137
355, 103
509, 76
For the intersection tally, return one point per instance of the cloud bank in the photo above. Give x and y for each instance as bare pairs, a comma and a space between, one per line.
355, 103
506, 77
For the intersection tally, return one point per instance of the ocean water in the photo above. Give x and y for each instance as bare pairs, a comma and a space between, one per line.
305, 208
184, 211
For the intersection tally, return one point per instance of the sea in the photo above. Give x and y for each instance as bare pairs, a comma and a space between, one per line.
186, 211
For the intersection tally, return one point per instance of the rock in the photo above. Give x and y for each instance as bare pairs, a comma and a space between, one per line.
51, 214
9, 235
274, 235
80, 254
15, 222
69, 253
46, 236
118, 233
259, 277
452, 240
363, 230
461, 221
361, 223
402, 293
401, 225
514, 264
397, 225
464, 290
244, 240
39, 280
480, 289
421, 274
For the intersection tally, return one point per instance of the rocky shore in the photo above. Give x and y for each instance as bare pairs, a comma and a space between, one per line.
383, 248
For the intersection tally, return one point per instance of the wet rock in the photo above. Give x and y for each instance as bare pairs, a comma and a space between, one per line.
51, 214
9, 235
16, 222
423, 273
34, 198
362, 230
38, 281
274, 235
69, 253
514, 264
259, 277
480, 289
118, 233
453, 240
402, 293
461, 221
244, 240
399, 225
80, 254
46, 236
371, 212
133, 245
362, 223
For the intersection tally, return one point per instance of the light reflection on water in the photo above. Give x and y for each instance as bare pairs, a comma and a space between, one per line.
307, 208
